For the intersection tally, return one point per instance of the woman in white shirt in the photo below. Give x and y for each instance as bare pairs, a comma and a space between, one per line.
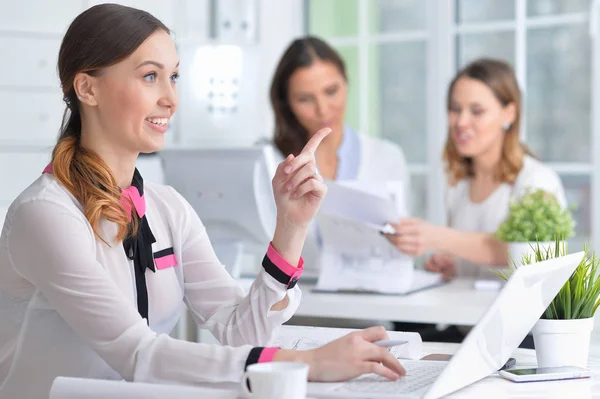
309, 91
76, 298
486, 166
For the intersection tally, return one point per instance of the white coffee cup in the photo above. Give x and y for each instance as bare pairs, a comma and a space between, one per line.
276, 380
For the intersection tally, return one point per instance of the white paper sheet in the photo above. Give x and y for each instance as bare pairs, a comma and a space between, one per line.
377, 202
352, 237
393, 190
304, 338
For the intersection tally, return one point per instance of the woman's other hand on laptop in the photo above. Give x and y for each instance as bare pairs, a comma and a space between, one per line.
351, 356
442, 263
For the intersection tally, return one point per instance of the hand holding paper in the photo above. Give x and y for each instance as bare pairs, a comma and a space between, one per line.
355, 256
413, 236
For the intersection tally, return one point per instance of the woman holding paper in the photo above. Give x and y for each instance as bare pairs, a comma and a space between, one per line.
486, 165
308, 92
95, 264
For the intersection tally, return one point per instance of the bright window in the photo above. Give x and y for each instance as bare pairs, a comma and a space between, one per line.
402, 53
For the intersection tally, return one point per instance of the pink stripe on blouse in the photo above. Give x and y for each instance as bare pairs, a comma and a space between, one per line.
165, 262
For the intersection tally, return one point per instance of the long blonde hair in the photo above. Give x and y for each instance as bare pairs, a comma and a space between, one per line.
501, 79
99, 37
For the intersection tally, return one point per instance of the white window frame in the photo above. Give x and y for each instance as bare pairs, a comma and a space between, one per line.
594, 18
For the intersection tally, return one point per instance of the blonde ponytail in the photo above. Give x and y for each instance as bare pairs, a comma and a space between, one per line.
91, 181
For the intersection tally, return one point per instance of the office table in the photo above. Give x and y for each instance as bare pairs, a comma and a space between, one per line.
490, 387
456, 302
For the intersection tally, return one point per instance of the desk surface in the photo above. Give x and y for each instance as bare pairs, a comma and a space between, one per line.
490, 387
495, 386
456, 302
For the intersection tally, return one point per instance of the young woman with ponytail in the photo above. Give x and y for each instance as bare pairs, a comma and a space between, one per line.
95, 264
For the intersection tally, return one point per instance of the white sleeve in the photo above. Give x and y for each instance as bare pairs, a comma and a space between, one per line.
217, 301
53, 246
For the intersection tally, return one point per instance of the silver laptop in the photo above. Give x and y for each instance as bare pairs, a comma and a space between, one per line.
486, 348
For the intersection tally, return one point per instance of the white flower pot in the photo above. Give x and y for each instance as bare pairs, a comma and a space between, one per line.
517, 250
562, 342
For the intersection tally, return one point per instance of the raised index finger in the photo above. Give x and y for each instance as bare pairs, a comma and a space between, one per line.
315, 140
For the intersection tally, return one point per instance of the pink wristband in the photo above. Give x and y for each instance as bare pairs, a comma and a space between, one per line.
268, 354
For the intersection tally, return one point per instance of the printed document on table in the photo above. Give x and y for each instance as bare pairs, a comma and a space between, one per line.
354, 255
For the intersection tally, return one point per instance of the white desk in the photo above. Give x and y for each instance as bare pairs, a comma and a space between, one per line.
456, 302
490, 387
495, 386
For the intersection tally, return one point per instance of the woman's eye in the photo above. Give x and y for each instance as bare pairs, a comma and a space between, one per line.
150, 78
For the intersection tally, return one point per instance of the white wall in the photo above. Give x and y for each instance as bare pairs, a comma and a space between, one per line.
281, 22
239, 111
31, 104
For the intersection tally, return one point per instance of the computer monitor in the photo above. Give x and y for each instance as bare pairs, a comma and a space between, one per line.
230, 189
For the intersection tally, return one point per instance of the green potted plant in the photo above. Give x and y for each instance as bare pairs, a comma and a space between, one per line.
562, 335
537, 216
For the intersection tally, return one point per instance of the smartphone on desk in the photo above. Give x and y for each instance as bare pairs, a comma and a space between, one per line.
545, 374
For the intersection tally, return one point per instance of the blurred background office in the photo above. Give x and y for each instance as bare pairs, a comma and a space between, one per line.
400, 55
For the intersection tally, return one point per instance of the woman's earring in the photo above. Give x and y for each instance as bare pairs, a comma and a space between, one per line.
506, 126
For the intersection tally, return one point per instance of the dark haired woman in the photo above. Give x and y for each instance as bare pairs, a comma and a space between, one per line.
309, 91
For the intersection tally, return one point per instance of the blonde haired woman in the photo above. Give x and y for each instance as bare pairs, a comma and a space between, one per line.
486, 166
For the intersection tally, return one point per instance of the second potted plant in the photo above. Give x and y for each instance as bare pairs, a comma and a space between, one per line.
562, 335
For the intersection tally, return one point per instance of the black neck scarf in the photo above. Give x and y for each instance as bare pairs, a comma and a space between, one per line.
138, 247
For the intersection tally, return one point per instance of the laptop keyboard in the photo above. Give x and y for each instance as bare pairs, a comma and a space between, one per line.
418, 375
